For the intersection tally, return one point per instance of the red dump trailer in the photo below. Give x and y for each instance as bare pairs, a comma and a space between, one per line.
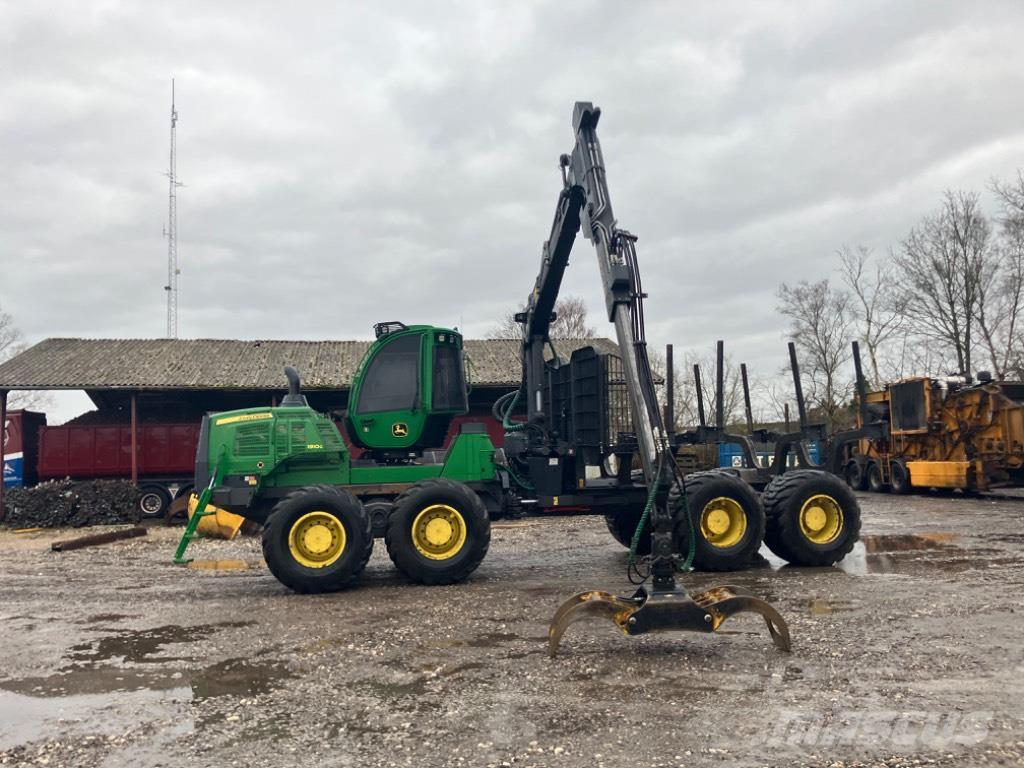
166, 454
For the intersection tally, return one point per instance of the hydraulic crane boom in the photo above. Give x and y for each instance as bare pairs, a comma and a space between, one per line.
584, 203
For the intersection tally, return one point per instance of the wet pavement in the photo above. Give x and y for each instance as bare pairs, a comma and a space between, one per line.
910, 650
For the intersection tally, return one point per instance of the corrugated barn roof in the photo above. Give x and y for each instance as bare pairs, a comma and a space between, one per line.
230, 364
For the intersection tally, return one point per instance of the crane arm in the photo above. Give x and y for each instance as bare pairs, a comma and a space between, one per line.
584, 203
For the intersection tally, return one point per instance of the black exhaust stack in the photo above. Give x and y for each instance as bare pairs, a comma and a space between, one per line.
294, 398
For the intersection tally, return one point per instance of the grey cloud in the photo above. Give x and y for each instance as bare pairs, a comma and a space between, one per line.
345, 164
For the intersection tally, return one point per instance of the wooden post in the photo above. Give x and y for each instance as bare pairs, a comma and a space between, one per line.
3, 446
135, 442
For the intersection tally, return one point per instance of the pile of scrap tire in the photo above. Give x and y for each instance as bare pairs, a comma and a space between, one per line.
72, 503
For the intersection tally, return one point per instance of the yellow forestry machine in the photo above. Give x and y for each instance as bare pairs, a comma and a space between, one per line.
942, 433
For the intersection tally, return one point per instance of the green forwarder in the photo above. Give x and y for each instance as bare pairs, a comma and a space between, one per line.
289, 469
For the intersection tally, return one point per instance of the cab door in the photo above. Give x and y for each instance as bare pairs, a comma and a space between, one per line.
388, 412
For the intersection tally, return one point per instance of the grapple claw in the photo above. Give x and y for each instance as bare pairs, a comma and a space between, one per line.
584, 605
666, 611
725, 601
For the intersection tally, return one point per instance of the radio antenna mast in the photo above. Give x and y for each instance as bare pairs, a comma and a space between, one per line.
171, 231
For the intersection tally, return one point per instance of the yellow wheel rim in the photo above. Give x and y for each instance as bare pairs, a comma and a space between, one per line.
439, 532
723, 522
317, 539
821, 519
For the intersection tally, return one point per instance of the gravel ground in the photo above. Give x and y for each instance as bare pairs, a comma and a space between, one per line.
909, 653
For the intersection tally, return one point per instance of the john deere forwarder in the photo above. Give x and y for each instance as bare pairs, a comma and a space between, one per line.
289, 469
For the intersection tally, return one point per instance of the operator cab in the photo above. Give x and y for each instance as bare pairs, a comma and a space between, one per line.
408, 388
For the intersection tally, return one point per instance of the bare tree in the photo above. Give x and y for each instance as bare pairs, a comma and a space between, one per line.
874, 302
10, 336
685, 390
820, 321
1001, 291
942, 266
570, 322
12, 343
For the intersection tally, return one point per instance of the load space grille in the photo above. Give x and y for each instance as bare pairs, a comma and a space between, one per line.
588, 401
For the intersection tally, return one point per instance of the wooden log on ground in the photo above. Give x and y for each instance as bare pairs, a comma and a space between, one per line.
99, 538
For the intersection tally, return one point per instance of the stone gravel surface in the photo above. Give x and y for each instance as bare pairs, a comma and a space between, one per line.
909, 653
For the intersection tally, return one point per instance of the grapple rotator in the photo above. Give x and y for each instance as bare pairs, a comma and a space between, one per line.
666, 606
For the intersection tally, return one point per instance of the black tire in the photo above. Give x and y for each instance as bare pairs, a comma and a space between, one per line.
334, 503
784, 501
744, 517
900, 477
856, 476
440, 566
875, 482
153, 501
622, 525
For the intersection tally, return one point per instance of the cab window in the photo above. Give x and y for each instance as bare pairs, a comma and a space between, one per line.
391, 383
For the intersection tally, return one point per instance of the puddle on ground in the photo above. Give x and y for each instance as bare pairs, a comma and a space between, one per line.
907, 553
909, 542
820, 607
116, 682
140, 646
239, 677
25, 718
218, 565
915, 552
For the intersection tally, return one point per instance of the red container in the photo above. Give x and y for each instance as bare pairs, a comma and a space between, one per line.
164, 450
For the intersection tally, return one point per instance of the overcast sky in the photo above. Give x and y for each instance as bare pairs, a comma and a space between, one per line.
347, 163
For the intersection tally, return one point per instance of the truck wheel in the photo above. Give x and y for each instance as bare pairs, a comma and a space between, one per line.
622, 525
812, 517
900, 478
438, 532
856, 476
875, 482
154, 501
317, 539
727, 519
